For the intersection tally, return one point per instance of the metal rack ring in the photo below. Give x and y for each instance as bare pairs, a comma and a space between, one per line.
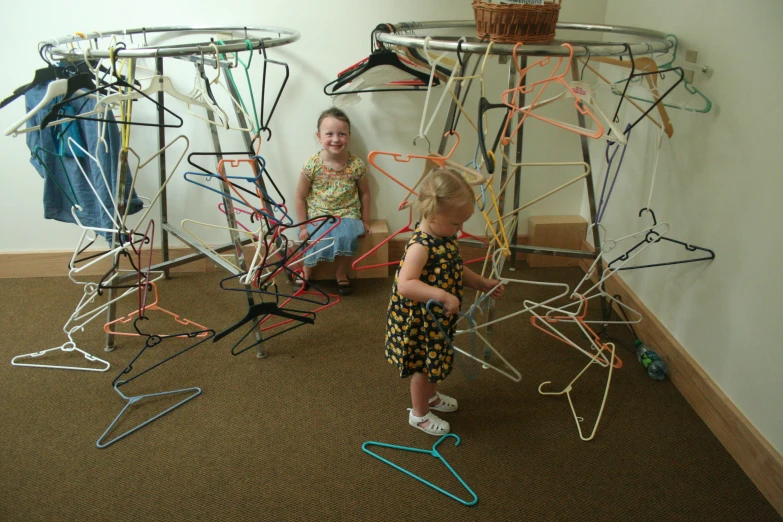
656, 41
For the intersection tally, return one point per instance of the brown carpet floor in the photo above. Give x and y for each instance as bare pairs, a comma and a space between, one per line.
280, 438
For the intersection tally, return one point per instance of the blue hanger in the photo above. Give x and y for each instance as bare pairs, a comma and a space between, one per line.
434, 452
151, 341
209, 176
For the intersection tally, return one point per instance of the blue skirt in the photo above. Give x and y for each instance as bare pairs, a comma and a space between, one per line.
342, 241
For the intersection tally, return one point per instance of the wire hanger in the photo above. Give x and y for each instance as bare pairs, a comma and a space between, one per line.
512, 372
689, 87
435, 453
653, 237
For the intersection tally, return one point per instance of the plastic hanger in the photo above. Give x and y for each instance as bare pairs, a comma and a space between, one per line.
357, 263
191, 393
435, 453
400, 158
512, 372
554, 78
380, 56
41, 76
118, 84
543, 196
63, 87
433, 63
67, 347
152, 307
569, 387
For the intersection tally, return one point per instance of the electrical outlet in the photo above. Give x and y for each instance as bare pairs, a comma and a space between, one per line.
691, 56
225, 37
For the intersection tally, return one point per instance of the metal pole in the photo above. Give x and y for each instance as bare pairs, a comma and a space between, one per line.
229, 206
119, 197
512, 78
517, 172
590, 192
164, 209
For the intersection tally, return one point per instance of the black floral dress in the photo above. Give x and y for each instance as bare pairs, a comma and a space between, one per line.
413, 342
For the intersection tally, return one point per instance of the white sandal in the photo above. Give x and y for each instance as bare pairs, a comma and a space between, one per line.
437, 426
446, 404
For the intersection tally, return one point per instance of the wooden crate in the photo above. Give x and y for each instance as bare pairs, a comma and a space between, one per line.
558, 232
380, 231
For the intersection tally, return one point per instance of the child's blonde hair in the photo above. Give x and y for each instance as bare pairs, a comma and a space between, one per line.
443, 188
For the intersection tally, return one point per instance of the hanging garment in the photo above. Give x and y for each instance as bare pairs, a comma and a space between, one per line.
63, 179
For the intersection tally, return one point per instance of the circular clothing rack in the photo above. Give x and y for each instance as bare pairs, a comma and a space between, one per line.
236, 39
653, 41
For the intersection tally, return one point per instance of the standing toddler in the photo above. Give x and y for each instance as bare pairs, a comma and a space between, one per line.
431, 269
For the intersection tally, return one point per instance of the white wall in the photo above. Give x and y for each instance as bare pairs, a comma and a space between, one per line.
333, 38
718, 186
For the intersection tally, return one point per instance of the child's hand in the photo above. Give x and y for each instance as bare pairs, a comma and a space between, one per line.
367, 229
303, 234
450, 304
489, 288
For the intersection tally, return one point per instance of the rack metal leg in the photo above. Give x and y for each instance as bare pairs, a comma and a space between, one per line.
590, 194
119, 197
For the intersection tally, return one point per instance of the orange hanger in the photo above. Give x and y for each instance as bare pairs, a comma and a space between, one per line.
153, 306
580, 319
436, 158
407, 228
552, 79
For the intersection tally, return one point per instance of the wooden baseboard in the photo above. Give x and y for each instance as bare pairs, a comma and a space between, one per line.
55, 263
755, 455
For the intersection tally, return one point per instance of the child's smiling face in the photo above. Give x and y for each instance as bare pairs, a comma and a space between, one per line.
334, 135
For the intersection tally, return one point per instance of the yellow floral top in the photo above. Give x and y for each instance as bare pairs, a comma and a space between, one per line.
334, 192
413, 341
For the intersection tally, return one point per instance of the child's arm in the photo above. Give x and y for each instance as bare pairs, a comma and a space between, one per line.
482, 284
364, 197
300, 203
410, 286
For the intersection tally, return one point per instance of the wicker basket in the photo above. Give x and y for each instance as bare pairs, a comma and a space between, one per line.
511, 23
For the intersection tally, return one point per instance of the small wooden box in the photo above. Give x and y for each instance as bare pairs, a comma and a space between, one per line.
380, 231
558, 232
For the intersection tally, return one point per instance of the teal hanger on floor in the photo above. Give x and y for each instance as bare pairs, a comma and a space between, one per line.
434, 452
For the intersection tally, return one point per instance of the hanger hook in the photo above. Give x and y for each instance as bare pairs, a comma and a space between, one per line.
262, 48
429, 146
587, 60
113, 55
459, 52
642, 211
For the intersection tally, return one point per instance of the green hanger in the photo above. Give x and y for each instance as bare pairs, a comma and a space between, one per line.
688, 86
256, 124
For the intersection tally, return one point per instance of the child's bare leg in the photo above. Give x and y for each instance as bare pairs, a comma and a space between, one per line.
342, 263
308, 271
422, 391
